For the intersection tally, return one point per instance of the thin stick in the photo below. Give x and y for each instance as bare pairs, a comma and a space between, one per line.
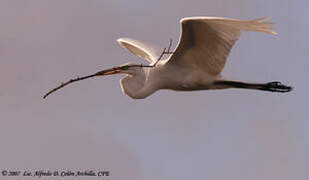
159, 57
165, 52
170, 45
69, 82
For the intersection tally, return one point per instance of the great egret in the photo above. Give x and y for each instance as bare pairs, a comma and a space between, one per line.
196, 63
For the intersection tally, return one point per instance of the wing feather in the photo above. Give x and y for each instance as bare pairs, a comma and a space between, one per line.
206, 42
140, 49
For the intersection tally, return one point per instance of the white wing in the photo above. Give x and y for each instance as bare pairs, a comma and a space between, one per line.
140, 49
205, 42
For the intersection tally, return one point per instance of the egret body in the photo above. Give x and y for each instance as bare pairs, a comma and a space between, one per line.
195, 64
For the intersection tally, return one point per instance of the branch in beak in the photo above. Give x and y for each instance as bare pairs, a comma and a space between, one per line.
114, 70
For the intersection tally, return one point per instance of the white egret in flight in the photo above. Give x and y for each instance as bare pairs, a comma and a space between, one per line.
195, 64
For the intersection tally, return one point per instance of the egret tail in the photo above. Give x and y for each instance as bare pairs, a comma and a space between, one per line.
271, 86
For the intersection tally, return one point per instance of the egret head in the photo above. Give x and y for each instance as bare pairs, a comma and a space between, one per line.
133, 84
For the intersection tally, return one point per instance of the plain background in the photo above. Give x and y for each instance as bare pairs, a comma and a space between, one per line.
91, 125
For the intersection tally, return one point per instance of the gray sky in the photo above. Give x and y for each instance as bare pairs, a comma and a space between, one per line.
228, 134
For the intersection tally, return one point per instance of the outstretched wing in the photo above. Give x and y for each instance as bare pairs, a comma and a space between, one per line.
140, 49
206, 42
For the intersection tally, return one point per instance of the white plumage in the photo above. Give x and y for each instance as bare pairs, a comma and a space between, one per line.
196, 63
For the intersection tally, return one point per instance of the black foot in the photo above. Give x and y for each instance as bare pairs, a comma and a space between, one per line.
276, 87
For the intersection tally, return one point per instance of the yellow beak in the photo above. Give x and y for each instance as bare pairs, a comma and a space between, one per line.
114, 70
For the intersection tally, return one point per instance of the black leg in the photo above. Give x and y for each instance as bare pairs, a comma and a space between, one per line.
271, 86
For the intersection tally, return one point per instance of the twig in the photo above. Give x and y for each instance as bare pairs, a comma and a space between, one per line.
74, 80
67, 83
165, 52
170, 45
